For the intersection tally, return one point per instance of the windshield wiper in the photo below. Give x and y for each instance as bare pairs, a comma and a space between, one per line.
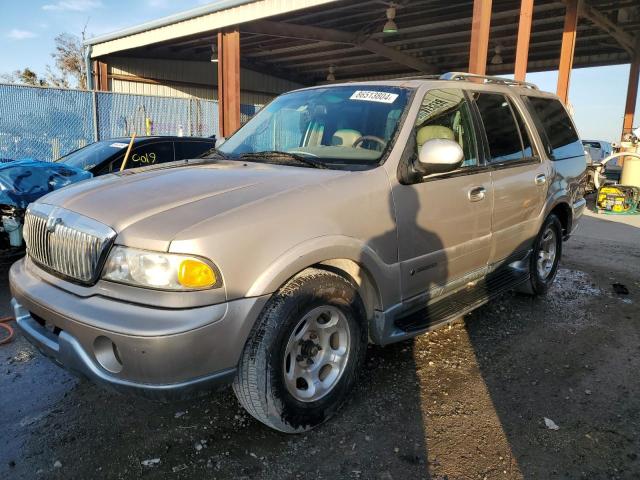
274, 154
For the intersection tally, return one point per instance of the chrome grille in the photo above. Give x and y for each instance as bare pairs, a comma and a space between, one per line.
66, 243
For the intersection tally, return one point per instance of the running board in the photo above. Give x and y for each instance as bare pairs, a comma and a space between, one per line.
463, 301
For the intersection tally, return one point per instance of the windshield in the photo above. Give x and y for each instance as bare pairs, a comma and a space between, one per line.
345, 125
93, 154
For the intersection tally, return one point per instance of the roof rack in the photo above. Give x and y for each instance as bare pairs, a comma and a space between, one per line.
487, 79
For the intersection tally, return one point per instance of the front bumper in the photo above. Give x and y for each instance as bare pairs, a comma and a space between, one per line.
74, 331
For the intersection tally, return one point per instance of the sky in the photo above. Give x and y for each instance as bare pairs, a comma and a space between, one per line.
28, 27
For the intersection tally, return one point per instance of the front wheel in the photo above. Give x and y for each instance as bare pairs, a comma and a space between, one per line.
303, 355
545, 257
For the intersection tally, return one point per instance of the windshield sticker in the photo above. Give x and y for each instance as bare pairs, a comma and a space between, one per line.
371, 96
119, 145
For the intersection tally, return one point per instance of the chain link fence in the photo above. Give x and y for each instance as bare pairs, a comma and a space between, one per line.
47, 123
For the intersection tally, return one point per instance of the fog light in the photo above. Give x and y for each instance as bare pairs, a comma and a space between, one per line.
107, 354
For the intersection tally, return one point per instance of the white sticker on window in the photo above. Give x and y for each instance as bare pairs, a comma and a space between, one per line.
371, 96
119, 145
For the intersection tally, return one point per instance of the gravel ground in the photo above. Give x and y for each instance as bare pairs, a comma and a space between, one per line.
468, 401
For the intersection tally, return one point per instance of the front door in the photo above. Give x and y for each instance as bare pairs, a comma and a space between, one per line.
444, 222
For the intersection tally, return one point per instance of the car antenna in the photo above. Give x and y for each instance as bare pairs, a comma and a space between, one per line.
126, 155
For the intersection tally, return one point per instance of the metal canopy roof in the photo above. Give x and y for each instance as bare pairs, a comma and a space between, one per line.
433, 36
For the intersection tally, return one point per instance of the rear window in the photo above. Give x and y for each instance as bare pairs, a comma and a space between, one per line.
560, 136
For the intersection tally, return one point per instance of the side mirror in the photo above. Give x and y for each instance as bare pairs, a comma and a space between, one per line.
439, 156
220, 141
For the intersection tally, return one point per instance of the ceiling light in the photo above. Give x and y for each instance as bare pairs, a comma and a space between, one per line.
390, 26
497, 58
331, 77
214, 54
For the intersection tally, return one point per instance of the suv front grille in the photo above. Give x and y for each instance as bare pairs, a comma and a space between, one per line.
66, 243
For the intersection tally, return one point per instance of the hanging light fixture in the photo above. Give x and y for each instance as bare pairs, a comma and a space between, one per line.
390, 26
214, 54
331, 77
497, 57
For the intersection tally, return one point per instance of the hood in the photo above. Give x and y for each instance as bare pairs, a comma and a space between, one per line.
149, 207
24, 181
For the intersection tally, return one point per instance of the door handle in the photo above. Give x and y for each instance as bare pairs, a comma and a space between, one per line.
541, 179
477, 193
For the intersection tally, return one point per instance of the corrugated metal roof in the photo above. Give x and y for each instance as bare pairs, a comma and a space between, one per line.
200, 20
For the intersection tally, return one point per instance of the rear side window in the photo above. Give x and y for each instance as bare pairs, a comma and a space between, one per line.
501, 128
561, 140
186, 149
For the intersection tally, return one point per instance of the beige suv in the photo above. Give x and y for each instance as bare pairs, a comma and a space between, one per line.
339, 215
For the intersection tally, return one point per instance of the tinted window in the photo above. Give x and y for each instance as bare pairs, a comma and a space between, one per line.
186, 149
562, 139
445, 114
143, 156
94, 154
500, 126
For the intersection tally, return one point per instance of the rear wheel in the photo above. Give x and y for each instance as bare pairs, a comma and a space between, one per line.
545, 257
302, 358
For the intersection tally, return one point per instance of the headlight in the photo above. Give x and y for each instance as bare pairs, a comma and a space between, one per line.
165, 271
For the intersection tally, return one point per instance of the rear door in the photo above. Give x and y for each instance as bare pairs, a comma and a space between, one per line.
518, 174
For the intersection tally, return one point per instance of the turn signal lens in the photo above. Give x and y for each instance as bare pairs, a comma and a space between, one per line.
196, 274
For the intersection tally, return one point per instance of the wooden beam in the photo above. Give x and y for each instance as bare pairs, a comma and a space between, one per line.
596, 17
317, 34
103, 77
524, 37
567, 49
480, 28
632, 92
229, 81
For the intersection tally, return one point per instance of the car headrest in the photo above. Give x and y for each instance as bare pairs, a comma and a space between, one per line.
431, 132
345, 137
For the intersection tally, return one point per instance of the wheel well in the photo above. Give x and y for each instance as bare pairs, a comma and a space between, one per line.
360, 278
563, 212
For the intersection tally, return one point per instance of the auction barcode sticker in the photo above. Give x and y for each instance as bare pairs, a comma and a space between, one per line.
371, 96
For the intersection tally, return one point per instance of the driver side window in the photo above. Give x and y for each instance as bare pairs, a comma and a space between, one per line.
445, 114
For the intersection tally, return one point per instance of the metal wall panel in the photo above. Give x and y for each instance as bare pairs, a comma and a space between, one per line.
199, 80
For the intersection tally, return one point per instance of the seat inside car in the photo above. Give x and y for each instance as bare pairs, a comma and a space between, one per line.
431, 132
345, 137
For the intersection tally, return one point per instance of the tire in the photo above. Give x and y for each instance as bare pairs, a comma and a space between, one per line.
271, 380
540, 282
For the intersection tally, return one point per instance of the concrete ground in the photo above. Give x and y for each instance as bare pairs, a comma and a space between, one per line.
465, 402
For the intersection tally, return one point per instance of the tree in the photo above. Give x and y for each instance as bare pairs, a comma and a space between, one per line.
26, 77
69, 62
69, 66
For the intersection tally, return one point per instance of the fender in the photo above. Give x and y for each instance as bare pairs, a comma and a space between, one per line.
323, 249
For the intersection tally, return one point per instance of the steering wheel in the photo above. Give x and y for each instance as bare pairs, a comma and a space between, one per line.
360, 140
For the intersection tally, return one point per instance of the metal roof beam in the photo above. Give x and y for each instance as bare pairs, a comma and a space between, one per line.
305, 32
596, 17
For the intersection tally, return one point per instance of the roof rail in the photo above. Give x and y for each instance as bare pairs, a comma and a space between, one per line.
487, 79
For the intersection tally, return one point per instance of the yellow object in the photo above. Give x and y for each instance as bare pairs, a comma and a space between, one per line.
196, 274
126, 155
617, 198
148, 124
631, 172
